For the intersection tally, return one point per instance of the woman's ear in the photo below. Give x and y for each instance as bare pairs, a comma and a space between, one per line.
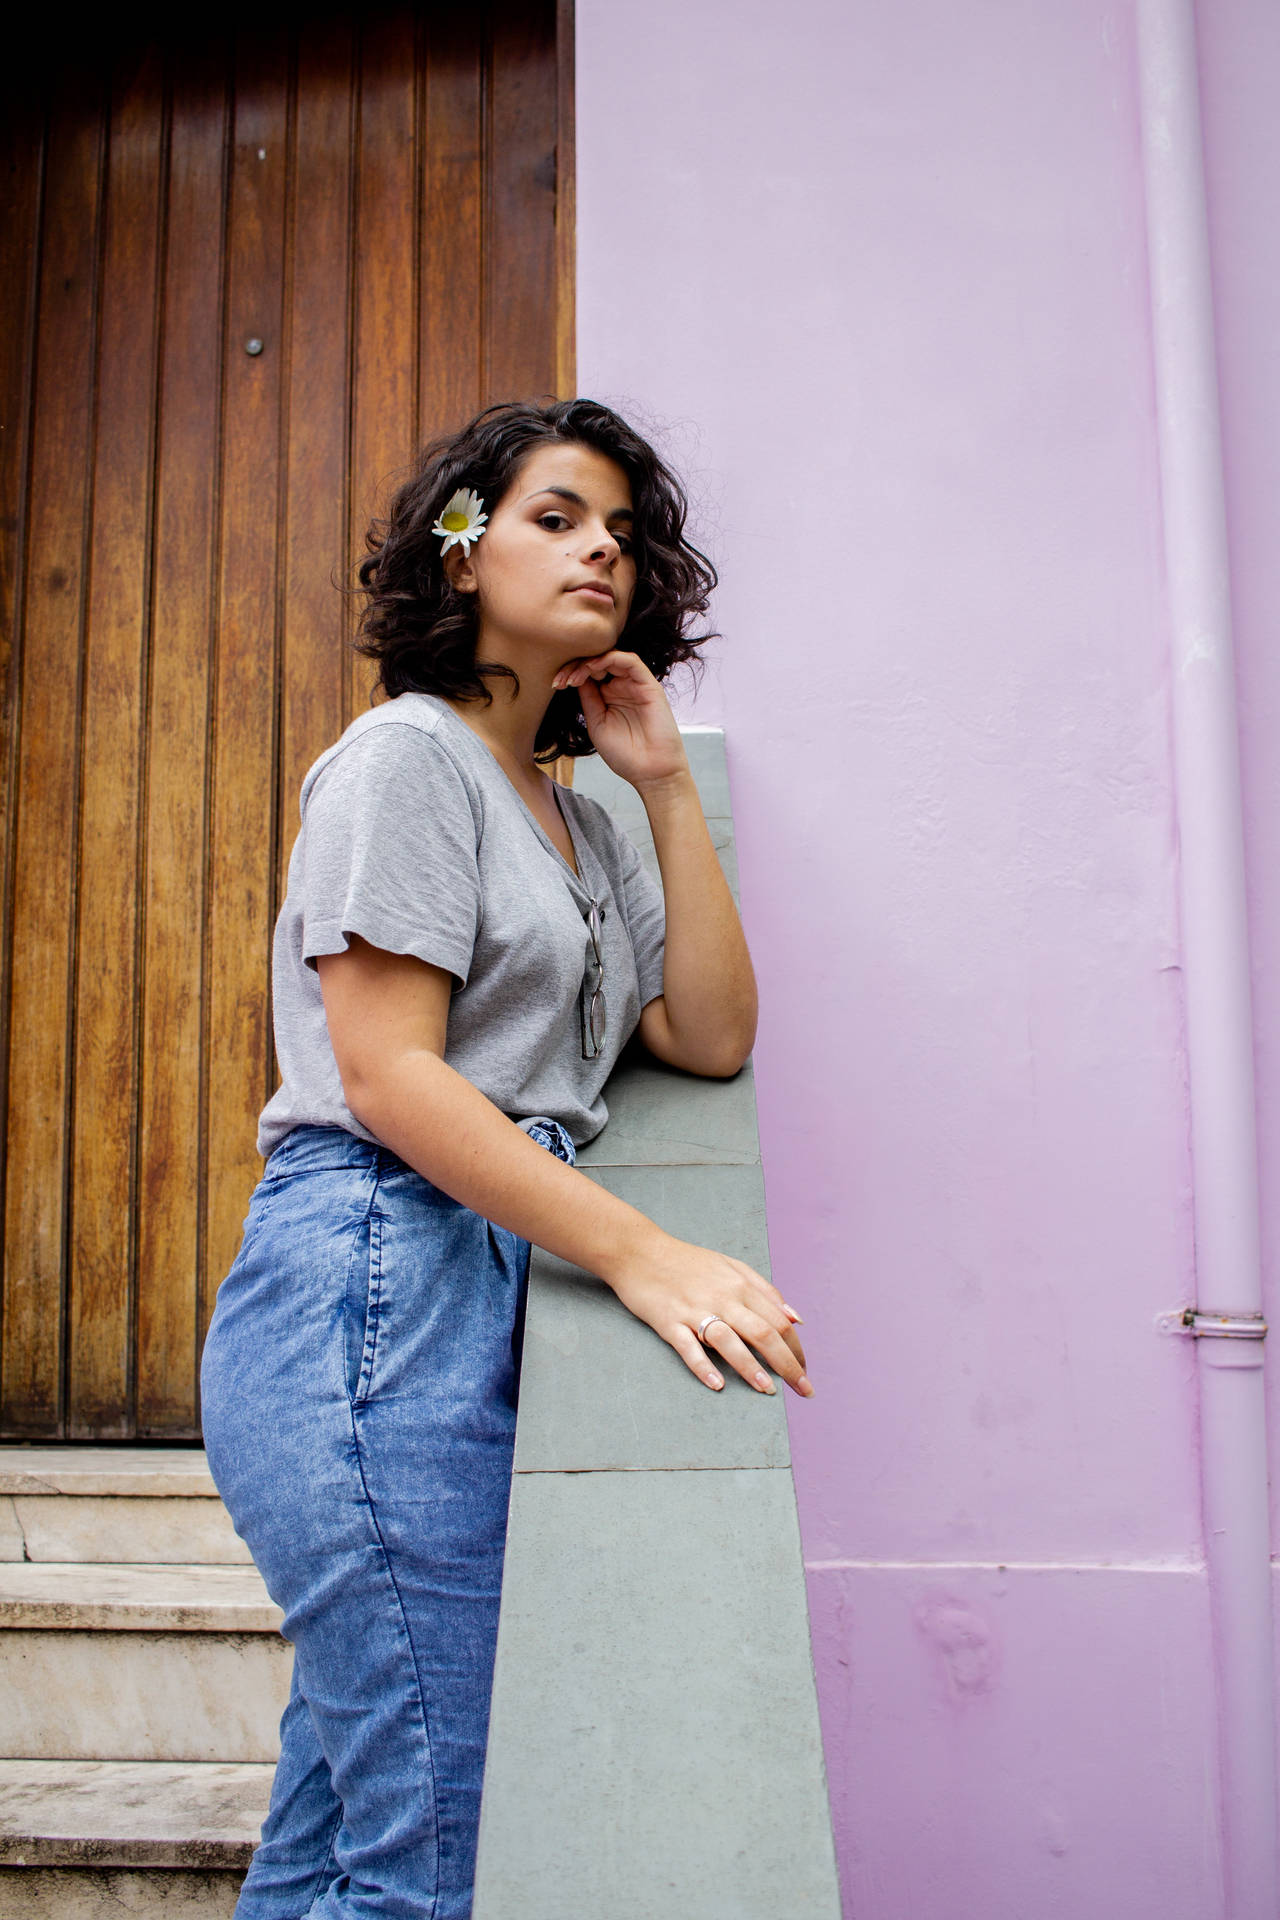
459, 571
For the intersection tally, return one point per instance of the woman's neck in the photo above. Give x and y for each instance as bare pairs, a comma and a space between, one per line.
509, 724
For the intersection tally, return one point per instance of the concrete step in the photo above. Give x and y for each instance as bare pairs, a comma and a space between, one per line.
86, 1893
179, 1663
108, 1504
59, 1813
100, 1840
169, 1599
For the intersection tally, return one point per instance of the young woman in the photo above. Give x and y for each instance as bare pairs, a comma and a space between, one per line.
463, 950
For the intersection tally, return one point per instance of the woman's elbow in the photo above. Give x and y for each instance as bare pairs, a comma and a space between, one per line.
360, 1092
719, 1055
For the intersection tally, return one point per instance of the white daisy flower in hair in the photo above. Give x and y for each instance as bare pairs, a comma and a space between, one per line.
462, 521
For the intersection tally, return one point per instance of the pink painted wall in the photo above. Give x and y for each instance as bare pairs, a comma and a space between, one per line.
878, 275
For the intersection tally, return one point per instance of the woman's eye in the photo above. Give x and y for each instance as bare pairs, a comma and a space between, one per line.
556, 522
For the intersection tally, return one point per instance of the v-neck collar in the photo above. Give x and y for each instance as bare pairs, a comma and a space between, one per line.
576, 879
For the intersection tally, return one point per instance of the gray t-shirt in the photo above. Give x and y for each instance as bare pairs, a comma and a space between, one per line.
414, 838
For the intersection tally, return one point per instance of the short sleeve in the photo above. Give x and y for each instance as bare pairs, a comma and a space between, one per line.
646, 914
389, 852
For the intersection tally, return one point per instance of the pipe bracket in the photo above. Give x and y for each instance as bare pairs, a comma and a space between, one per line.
1222, 1326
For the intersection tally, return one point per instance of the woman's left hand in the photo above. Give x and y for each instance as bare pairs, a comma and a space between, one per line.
628, 717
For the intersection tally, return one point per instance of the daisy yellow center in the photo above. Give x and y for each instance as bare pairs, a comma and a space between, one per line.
455, 522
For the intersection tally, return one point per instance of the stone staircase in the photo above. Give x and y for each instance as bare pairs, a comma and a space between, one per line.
142, 1678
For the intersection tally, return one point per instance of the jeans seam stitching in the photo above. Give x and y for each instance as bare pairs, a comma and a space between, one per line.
413, 1652
373, 1308
318, 1882
363, 1377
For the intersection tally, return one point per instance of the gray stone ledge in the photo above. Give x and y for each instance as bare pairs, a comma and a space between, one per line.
599, 1391
654, 1748
659, 1117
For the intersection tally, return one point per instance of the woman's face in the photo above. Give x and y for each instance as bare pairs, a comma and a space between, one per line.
554, 567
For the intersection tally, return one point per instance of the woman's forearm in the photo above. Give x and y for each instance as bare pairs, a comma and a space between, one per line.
449, 1132
388, 1016
708, 986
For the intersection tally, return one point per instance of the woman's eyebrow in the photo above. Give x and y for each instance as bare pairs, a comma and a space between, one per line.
576, 499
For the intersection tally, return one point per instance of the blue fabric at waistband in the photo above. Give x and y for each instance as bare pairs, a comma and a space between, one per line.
313, 1149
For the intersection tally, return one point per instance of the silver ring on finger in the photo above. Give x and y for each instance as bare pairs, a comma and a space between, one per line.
705, 1322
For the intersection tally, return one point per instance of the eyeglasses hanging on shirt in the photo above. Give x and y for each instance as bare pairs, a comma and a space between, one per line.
592, 1007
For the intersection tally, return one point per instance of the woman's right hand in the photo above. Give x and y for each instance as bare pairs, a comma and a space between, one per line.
673, 1285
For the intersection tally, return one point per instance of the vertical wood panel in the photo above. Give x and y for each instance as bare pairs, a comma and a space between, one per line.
395, 250
21, 168
99, 1302
241, 866
315, 610
384, 316
171, 1101
44, 876
453, 292
520, 161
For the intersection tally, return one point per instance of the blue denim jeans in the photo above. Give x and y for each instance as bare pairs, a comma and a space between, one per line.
359, 1392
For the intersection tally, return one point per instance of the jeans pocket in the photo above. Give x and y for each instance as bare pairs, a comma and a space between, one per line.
363, 1303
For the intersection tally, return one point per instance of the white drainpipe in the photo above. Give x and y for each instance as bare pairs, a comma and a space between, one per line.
1215, 948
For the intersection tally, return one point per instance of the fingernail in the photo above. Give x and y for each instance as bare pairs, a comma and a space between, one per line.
794, 1315
714, 1380
805, 1385
765, 1384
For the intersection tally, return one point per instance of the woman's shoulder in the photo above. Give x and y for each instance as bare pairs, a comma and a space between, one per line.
407, 739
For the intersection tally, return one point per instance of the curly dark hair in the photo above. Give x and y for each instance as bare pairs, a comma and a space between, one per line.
423, 632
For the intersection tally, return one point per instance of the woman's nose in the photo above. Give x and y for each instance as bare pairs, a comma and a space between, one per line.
605, 548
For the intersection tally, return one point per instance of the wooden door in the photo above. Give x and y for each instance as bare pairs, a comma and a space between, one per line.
243, 277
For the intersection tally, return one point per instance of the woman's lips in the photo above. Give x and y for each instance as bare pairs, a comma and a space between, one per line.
603, 594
